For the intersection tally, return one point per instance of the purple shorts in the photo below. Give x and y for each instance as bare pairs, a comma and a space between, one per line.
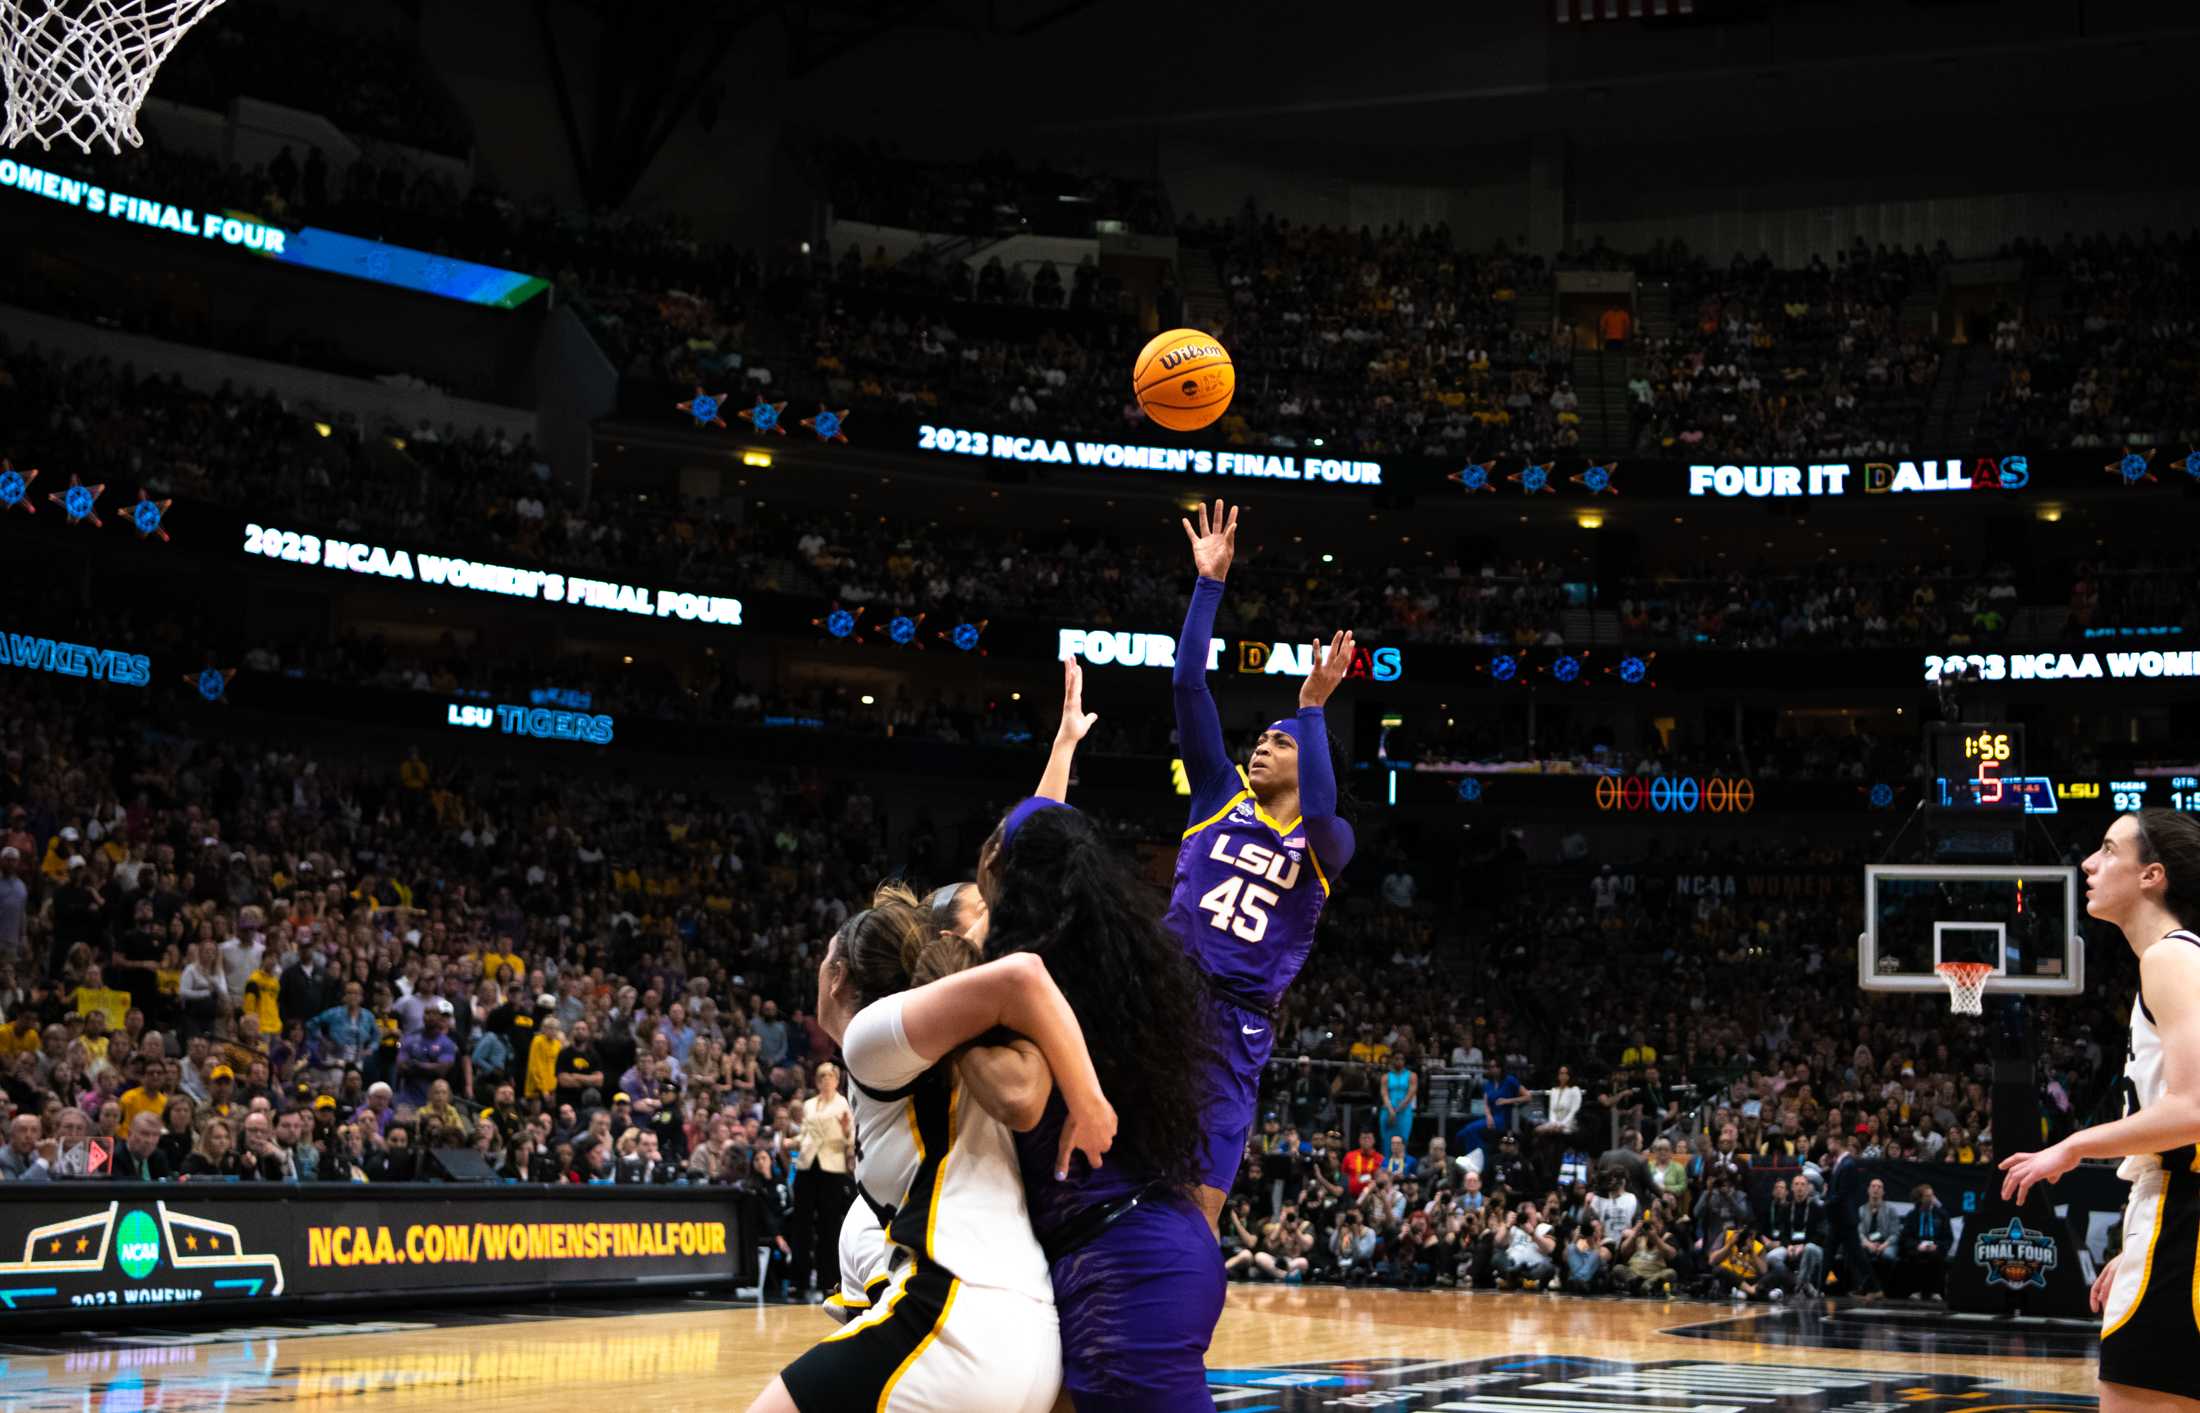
1243, 1040
1138, 1306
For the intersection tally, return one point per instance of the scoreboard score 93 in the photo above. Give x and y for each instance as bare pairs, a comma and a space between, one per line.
1977, 766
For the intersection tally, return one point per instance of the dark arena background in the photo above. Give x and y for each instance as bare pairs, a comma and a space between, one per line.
517, 516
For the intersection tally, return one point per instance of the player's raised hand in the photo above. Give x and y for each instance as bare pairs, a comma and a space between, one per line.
1330, 666
1214, 543
1076, 721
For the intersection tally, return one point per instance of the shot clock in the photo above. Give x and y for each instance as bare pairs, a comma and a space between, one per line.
1977, 766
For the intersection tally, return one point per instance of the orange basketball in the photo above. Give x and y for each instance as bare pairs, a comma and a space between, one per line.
1184, 379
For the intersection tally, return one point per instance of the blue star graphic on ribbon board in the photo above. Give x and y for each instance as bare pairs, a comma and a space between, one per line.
841, 623
827, 424
2132, 468
1633, 670
1534, 479
1475, 476
1504, 668
211, 683
2190, 465
967, 636
15, 488
80, 502
764, 417
1567, 669
902, 630
1882, 796
1470, 791
148, 517
703, 407
1598, 479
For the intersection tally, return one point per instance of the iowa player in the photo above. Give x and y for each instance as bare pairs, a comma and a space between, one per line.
2145, 878
964, 1320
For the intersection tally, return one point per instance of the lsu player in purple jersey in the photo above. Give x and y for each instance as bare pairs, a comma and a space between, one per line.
1255, 866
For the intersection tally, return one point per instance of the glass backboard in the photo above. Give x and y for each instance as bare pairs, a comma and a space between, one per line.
2020, 920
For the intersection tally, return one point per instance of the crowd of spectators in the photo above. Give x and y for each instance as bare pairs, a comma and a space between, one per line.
1390, 340
224, 962
1652, 1091
2099, 359
1815, 361
219, 961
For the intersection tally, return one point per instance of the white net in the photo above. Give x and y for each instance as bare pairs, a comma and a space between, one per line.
1966, 986
76, 70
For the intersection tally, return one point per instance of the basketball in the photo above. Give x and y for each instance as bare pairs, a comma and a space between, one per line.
1184, 379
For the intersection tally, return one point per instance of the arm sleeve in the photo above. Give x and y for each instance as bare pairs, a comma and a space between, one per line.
877, 1049
1198, 725
1330, 836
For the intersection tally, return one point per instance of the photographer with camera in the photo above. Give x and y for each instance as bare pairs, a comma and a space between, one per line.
1586, 1261
1352, 1246
1723, 1206
1524, 1250
1739, 1261
1647, 1255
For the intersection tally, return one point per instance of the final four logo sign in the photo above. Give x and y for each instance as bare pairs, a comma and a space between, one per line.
2016, 1256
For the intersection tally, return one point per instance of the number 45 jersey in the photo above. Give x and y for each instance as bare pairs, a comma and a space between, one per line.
1247, 897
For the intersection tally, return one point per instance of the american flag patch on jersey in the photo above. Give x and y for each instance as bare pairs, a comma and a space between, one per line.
1296, 841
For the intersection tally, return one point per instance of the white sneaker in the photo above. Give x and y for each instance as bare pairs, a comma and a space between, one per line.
1778, 1296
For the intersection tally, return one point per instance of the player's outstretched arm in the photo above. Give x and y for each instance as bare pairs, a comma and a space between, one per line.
1016, 992
2170, 977
1198, 725
1076, 721
1332, 837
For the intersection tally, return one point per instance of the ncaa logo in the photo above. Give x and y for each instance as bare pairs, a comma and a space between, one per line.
137, 1244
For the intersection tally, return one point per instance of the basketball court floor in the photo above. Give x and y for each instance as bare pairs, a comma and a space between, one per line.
1278, 1350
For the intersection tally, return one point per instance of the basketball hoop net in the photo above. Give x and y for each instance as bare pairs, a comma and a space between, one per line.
78, 69
1966, 985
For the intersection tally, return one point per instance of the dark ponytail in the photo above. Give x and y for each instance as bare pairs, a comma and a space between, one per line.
1058, 889
2173, 841
891, 946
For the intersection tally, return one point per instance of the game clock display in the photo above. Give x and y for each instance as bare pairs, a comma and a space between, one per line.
1977, 766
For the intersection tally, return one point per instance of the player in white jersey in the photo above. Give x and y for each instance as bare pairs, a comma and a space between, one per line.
2145, 878
965, 1319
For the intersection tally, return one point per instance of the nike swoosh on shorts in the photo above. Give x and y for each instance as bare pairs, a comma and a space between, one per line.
1251, 1029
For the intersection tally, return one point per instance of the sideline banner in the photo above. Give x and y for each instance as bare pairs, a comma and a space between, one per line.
83, 1247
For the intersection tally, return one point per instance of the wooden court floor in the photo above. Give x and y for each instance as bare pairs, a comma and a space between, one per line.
1278, 1348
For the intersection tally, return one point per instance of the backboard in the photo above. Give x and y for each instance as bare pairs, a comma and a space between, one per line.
2021, 920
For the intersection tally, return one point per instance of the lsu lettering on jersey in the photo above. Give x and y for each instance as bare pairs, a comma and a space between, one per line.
1247, 897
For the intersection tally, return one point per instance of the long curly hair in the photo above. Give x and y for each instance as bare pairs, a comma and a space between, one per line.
1060, 891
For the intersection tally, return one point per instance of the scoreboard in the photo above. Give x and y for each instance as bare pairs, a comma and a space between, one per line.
1978, 766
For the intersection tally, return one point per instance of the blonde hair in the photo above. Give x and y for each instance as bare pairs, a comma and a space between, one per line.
891, 946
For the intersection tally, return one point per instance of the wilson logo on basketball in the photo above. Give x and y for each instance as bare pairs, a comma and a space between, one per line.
1187, 353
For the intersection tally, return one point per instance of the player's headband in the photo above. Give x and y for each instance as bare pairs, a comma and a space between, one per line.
1024, 811
1289, 726
943, 897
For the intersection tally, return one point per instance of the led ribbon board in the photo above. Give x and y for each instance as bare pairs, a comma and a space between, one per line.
542, 585
1124, 456
32, 653
310, 247
542, 723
